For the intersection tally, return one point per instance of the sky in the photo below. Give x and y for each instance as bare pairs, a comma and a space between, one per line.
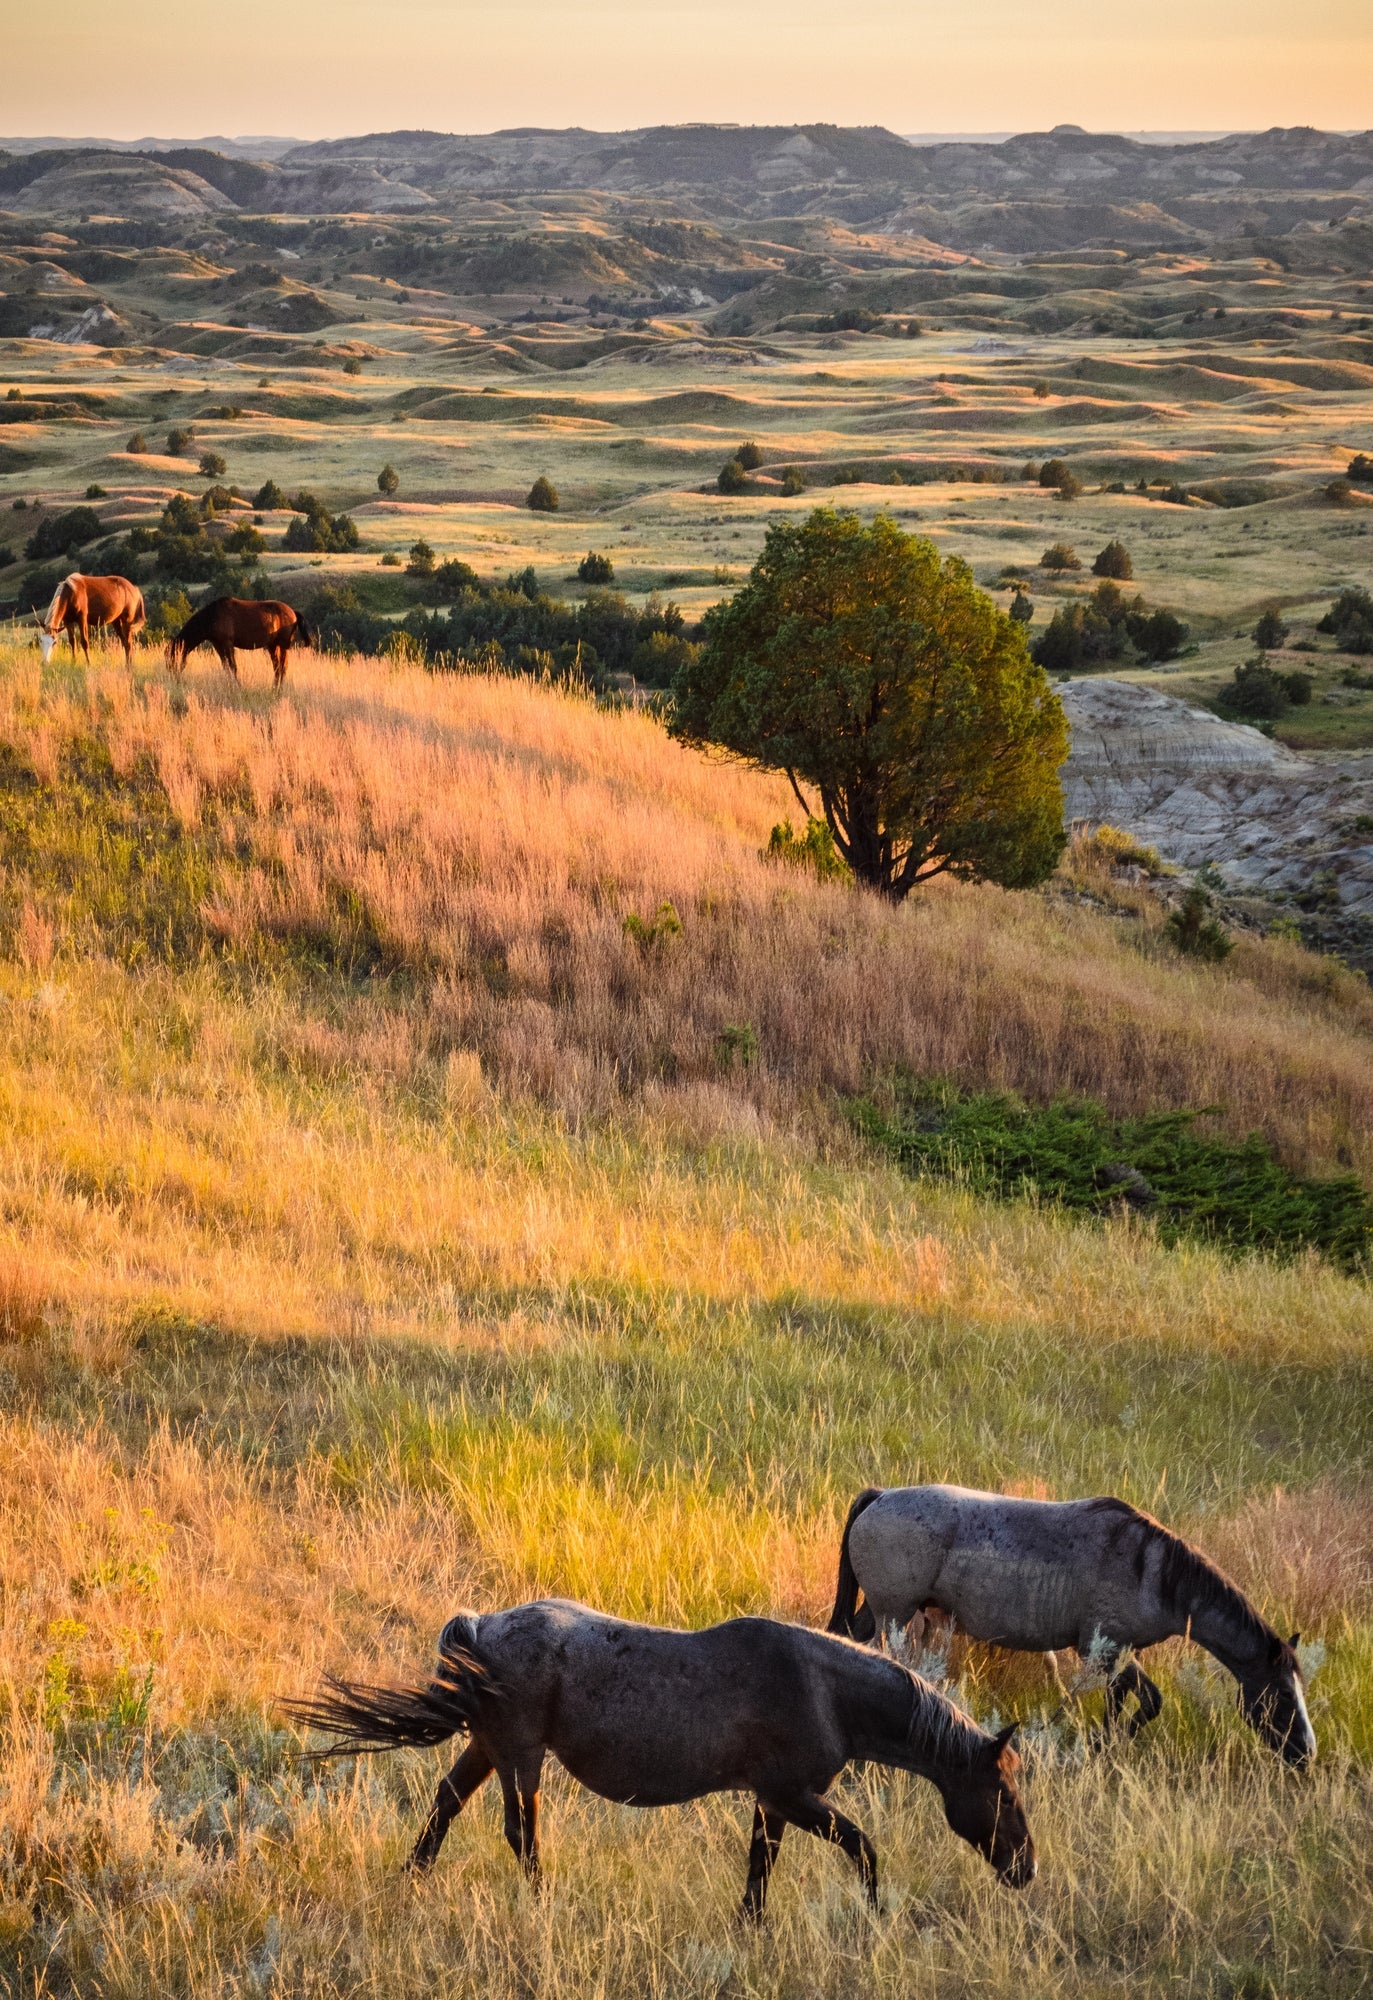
320, 68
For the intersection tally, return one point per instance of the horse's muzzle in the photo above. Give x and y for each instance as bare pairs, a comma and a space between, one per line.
1020, 1870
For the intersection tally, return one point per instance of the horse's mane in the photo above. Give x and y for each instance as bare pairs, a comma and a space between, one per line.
51, 611
938, 1728
1189, 1580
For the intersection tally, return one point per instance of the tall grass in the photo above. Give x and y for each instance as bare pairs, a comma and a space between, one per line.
349, 1272
489, 839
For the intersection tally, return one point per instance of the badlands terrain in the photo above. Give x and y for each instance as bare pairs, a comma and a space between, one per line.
1188, 327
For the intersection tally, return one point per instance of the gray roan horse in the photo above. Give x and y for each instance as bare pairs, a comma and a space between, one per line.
652, 1717
1040, 1575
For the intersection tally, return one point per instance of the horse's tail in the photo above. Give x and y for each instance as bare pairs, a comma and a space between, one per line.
362, 1718
846, 1619
302, 635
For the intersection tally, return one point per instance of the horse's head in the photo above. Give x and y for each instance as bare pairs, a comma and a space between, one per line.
983, 1807
46, 639
1273, 1702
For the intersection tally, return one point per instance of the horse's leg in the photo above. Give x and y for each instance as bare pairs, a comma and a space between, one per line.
1131, 1680
768, 1828
470, 1772
228, 659
85, 639
520, 1784
818, 1816
278, 664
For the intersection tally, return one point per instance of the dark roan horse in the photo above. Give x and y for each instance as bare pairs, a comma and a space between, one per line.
653, 1717
1044, 1575
233, 622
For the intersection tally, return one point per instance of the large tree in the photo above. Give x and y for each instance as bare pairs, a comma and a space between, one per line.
869, 670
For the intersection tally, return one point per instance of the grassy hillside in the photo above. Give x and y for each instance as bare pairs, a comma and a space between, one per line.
386, 1227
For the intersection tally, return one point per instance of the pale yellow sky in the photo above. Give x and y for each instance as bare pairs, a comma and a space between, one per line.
322, 67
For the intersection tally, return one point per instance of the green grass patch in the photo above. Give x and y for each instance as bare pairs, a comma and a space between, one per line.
1074, 1153
101, 857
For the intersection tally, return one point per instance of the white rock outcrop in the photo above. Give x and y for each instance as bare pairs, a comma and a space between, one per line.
1200, 789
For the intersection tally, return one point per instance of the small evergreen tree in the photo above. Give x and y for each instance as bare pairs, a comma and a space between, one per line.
388, 480
422, 561
543, 496
1270, 632
732, 478
749, 456
859, 662
177, 441
1022, 608
137, 445
213, 465
1114, 561
595, 568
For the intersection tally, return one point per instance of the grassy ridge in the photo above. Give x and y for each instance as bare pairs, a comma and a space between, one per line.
317, 1318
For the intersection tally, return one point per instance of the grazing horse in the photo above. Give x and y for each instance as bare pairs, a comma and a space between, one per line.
651, 1717
230, 622
1041, 1575
82, 601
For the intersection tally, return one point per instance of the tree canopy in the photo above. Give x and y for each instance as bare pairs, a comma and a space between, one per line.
861, 665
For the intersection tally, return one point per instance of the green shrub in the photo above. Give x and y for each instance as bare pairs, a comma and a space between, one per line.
793, 482
177, 441
213, 464
269, 498
1074, 1153
543, 496
388, 480
1261, 694
596, 568
736, 1047
422, 559
1194, 931
731, 477
1059, 556
137, 444
1350, 619
749, 456
814, 850
662, 925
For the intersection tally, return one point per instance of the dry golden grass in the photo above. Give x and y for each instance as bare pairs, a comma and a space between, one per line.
328, 1302
490, 837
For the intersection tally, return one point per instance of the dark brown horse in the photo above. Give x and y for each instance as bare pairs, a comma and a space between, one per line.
231, 622
651, 1717
82, 601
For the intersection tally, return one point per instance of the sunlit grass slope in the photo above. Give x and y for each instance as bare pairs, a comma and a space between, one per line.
384, 1228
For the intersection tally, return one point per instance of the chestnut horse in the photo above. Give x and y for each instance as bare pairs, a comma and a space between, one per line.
230, 622
82, 601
